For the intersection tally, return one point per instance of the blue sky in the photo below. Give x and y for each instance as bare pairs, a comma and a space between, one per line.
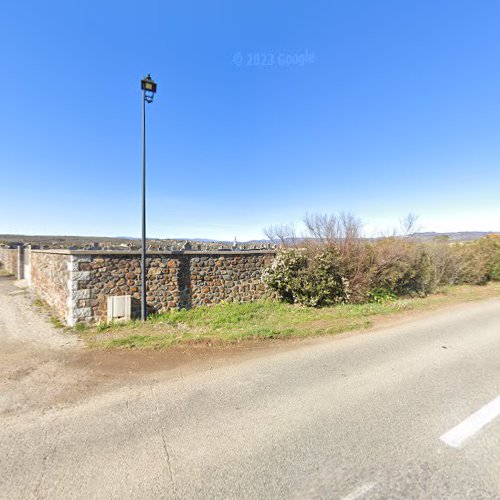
396, 109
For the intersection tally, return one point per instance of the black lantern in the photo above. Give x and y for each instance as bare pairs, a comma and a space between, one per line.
149, 88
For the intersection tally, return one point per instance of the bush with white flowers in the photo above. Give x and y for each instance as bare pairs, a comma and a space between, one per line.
309, 279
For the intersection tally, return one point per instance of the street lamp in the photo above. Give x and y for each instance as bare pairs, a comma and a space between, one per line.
148, 87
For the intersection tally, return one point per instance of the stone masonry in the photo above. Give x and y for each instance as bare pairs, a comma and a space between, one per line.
49, 280
76, 283
9, 260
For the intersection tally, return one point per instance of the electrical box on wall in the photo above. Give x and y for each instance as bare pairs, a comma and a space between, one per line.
119, 308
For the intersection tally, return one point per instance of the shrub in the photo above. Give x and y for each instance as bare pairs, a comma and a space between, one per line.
402, 267
321, 276
445, 261
283, 274
321, 282
471, 265
489, 247
308, 278
380, 296
333, 264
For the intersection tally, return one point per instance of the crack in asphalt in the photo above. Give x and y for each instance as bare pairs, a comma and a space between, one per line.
46, 460
164, 441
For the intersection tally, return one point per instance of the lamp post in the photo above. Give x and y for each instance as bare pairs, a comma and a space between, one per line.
148, 87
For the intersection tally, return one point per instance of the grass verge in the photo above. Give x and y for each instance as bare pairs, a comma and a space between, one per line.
234, 323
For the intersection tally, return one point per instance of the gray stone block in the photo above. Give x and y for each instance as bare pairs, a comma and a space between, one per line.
82, 313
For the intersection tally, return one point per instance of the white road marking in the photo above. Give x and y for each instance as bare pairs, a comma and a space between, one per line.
359, 492
457, 436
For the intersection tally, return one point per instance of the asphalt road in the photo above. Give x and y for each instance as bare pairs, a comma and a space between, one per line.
410, 411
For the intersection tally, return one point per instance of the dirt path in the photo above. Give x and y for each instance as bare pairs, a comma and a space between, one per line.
43, 367
32, 352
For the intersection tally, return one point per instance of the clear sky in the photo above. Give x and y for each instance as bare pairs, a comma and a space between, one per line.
265, 111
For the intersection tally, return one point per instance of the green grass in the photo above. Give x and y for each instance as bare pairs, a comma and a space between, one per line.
56, 322
233, 323
41, 304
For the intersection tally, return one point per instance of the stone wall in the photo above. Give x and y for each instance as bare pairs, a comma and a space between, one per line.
9, 258
49, 280
77, 283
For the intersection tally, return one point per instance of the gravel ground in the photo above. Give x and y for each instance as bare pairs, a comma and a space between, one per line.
33, 353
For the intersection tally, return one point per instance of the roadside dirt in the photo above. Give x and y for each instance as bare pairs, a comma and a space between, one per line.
42, 367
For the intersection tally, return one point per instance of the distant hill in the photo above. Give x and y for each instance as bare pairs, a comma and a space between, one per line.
61, 241
458, 236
